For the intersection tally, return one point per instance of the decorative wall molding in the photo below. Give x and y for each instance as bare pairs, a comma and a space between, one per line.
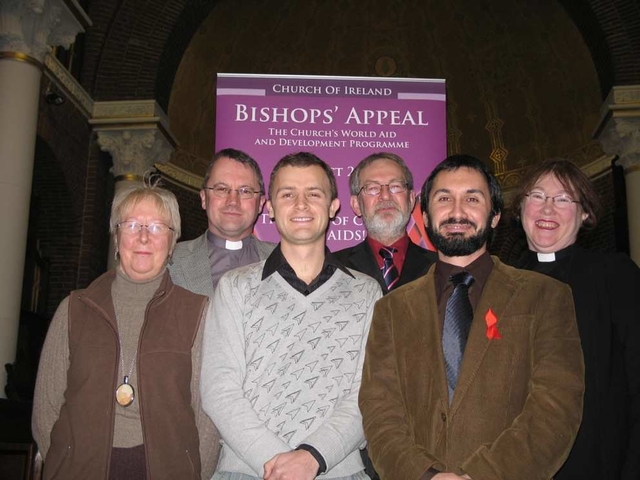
131, 114
621, 102
63, 79
134, 150
33, 27
628, 94
619, 129
129, 109
621, 137
180, 176
598, 167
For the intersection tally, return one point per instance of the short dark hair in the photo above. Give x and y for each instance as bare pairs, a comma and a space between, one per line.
354, 179
455, 162
238, 156
575, 182
304, 159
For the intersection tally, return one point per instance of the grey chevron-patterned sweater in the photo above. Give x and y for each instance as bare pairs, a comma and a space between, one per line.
281, 369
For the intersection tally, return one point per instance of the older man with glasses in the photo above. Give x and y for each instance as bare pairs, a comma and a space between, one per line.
382, 194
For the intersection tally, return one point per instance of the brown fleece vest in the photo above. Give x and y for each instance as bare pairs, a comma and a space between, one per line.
82, 437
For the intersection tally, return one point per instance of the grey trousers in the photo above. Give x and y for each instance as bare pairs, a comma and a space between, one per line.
242, 476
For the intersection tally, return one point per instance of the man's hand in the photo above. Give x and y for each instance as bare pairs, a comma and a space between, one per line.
295, 465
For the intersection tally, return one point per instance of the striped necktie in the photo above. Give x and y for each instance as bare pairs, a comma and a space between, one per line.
457, 323
389, 270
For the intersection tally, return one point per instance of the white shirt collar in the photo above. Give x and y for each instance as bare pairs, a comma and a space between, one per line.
546, 257
229, 245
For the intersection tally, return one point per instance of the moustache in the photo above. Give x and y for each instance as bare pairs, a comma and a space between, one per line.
453, 221
387, 204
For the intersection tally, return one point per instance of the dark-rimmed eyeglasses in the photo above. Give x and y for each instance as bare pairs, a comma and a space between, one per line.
559, 201
245, 193
132, 227
374, 189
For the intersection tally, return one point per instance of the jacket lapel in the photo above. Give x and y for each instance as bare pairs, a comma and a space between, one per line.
432, 317
197, 269
497, 293
415, 264
362, 257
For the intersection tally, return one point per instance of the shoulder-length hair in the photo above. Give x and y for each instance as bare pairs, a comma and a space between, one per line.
575, 182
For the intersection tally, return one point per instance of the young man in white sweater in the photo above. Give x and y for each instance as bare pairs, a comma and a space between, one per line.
283, 353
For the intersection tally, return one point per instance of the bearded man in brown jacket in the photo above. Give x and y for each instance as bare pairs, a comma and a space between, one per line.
474, 370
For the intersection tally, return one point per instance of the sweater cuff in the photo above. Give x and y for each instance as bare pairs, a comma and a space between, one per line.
322, 465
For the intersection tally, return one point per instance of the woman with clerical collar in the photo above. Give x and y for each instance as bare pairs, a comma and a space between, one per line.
555, 203
117, 394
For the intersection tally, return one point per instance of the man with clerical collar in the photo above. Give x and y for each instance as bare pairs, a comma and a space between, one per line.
283, 353
232, 194
474, 370
382, 194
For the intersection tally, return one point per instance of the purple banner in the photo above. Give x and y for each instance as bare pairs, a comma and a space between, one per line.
341, 120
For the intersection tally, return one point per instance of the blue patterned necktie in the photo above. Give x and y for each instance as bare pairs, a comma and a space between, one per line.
457, 323
389, 270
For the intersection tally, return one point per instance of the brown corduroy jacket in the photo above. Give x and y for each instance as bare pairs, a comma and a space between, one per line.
518, 403
82, 437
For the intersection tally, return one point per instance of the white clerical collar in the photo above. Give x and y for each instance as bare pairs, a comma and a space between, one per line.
229, 245
546, 257
216, 242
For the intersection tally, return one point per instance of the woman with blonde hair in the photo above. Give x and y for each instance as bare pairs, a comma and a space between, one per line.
117, 389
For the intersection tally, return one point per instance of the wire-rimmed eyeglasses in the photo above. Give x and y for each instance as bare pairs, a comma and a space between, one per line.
559, 201
132, 227
374, 189
245, 193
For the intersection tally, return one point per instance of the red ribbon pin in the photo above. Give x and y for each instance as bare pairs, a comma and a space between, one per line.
492, 325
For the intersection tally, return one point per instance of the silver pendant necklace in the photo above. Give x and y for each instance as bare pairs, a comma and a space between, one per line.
125, 394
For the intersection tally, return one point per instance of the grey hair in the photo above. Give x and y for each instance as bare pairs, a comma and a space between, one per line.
354, 179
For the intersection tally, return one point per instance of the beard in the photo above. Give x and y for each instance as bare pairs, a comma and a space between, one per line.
379, 227
457, 245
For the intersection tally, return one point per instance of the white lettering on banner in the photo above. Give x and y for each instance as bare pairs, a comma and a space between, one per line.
299, 132
291, 142
332, 90
347, 235
306, 89
340, 220
265, 220
358, 134
364, 91
389, 134
377, 144
265, 141
386, 117
284, 114
313, 116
